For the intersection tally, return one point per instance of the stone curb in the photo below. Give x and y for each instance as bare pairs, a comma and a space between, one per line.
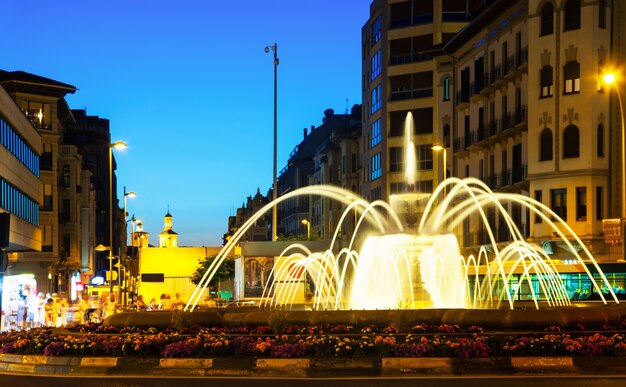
305, 367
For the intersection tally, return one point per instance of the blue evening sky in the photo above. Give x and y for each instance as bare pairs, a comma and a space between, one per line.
188, 86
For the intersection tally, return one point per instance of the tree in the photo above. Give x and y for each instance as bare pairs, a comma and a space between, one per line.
224, 272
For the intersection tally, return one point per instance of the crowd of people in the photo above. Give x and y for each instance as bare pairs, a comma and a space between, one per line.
165, 303
52, 310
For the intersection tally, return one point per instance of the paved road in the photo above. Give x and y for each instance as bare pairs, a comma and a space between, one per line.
488, 381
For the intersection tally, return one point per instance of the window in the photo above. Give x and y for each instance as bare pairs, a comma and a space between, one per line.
547, 19
38, 113
539, 198
446, 89
376, 99
376, 30
600, 139
571, 142
64, 216
559, 202
376, 64
65, 181
16, 202
581, 203
16, 145
353, 168
599, 203
546, 81
571, 75
47, 197
571, 17
545, 145
376, 134
424, 156
395, 159
602, 14
446, 135
376, 167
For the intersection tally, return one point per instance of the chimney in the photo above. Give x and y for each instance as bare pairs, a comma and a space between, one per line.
304, 132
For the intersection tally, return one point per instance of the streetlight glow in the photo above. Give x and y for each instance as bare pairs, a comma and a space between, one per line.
609, 78
439, 148
308, 228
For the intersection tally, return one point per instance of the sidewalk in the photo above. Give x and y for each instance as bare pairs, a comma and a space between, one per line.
309, 368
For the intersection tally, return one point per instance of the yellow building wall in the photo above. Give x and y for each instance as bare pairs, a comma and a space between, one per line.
177, 266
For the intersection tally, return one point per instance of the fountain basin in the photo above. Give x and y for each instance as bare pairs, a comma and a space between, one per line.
589, 315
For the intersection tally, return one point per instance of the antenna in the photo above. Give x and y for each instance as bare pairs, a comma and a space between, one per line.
346, 106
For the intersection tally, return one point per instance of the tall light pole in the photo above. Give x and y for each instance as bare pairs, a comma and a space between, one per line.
439, 148
131, 195
609, 78
274, 48
308, 229
116, 145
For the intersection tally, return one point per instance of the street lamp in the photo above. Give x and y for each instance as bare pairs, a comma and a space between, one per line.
610, 79
308, 229
274, 48
117, 145
439, 148
131, 195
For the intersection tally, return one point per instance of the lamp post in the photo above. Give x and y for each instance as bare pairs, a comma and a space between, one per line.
308, 229
610, 79
274, 48
131, 195
439, 148
116, 145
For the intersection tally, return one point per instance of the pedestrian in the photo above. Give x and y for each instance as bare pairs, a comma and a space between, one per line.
110, 306
165, 302
141, 304
50, 313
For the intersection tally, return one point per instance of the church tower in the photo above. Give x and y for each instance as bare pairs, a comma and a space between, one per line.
168, 238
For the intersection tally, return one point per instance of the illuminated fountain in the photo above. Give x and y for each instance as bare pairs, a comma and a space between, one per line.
416, 263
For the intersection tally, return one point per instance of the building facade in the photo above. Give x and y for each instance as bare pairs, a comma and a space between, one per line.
399, 76
42, 102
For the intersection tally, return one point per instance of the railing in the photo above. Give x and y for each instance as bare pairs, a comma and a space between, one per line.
410, 94
459, 16
462, 96
492, 127
411, 21
495, 74
520, 173
408, 58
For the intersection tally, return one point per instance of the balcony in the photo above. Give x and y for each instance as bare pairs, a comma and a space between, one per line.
453, 16
400, 95
411, 21
408, 58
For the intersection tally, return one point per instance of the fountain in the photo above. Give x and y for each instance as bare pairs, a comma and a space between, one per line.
416, 267
417, 264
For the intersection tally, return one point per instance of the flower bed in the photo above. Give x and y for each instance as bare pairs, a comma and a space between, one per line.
309, 342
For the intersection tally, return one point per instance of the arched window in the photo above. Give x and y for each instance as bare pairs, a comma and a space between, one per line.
600, 139
571, 16
547, 19
446, 89
446, 135
571, 142
545, 145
